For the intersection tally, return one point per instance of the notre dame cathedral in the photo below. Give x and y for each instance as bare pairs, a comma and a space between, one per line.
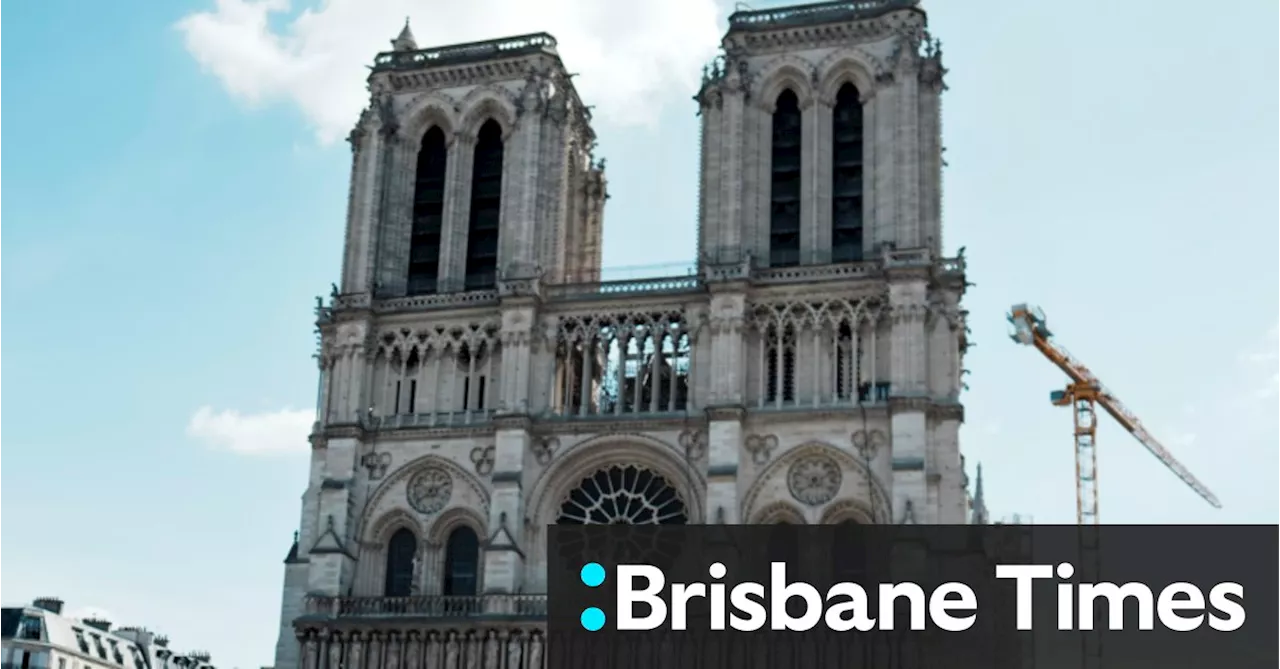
479, 381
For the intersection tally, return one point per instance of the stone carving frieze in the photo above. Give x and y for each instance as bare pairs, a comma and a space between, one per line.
803, 314
761, 447
377, 464
694, 443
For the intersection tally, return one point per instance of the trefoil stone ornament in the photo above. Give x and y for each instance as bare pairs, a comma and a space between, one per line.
482, 458
544, 449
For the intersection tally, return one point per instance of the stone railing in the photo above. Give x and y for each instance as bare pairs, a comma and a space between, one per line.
440, 419
800, 273
693, 281
669, 284
465, 53
816, 13
429, 606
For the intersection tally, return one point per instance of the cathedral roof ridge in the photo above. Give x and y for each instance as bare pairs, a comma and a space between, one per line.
467, 52
814, 13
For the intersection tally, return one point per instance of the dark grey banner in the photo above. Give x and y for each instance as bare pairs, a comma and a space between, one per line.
906, 597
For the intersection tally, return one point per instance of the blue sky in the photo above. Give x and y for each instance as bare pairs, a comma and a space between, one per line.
176, 199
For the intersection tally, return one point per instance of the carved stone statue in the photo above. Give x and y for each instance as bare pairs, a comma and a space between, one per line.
415, 588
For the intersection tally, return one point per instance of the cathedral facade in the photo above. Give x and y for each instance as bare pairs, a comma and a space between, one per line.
479, 381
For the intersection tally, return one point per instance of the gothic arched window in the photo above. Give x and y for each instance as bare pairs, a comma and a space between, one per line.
428, 213
461, 562
849, 551
623, 495
780, 364
846, 176
401, 550
486, 205
784, 215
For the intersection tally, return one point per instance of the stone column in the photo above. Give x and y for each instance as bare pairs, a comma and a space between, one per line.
820, 117
366, 144
907, 172
504, 550
396, 225
724, 404
908, 405
882, 137
713, 162
457, 212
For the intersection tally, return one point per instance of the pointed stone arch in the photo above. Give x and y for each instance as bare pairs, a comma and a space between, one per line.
579, 461
464, 485
431, 109
781, 73
485, 103
845, 510
854, 66
453, 518
779, 512
388, 523
855, 475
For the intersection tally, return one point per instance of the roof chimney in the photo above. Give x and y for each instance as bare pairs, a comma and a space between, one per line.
139, 635
98, 624
201, 656
162, 640
50, 604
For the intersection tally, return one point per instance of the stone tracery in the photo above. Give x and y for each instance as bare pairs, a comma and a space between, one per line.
439, 374
623, 495
802, 339
429, 490
622, 363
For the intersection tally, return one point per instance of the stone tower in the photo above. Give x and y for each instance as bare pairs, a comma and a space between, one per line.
478, 382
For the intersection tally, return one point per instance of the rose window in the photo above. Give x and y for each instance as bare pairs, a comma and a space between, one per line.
623, 495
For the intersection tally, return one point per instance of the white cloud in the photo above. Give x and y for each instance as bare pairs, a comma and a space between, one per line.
632, 59
269, 433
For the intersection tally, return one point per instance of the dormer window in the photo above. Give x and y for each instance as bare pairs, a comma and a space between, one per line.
80, 640
115, 651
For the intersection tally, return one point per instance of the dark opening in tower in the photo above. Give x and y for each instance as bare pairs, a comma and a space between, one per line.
846, 176
428, 214
784, 221
486, 206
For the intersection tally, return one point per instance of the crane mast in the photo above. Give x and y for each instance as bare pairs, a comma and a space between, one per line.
1084, 393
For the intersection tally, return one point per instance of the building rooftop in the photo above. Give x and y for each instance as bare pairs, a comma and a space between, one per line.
814, 14
458, 54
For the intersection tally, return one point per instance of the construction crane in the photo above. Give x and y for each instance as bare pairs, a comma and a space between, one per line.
1083, 393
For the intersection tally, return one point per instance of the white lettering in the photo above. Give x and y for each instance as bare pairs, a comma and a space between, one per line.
780, 592
741, 598
1023, 574
940, 605
629, 596
1233, 609
1115, 596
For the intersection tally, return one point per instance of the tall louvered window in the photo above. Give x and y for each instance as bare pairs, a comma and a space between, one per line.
428, 213
846, 176
784, 221
486, 204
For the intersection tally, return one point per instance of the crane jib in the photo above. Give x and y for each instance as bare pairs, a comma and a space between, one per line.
1032, 322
